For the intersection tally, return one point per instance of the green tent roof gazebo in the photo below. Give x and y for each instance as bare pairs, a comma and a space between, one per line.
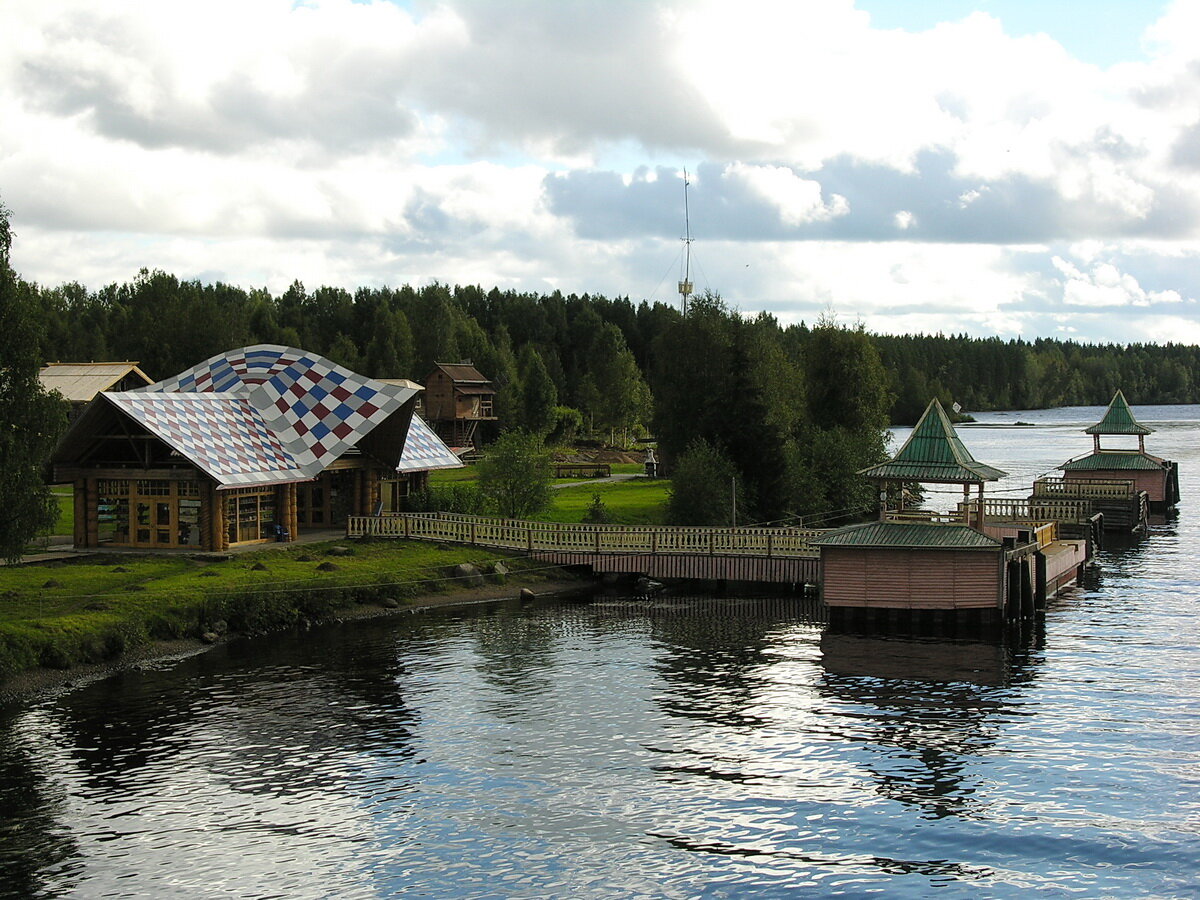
934, 454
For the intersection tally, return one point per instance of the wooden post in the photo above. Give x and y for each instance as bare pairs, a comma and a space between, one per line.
1040, 589
220, 505
80, 532
1027, 601
293, 514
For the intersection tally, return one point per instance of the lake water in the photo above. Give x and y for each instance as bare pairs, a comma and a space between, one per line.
696, 747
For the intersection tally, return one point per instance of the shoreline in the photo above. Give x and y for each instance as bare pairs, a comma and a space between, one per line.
42, 683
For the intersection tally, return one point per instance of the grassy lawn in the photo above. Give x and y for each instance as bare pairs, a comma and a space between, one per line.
66, 509
61, 613
440, 477
640, 501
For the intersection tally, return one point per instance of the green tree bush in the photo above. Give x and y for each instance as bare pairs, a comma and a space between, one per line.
31, 420
704, 487
514, 475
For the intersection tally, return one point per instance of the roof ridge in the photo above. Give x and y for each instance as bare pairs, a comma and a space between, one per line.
1118, 418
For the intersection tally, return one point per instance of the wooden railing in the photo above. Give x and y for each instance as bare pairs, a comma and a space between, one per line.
516, 534
1028, 537
1038, 509
1097, 489
927, 516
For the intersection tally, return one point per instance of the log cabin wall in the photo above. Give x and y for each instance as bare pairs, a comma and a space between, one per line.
439, 396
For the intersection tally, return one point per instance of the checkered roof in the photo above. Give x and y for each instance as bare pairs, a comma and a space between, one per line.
264, 414
424, 450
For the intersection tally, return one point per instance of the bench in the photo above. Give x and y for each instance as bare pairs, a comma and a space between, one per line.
582, 470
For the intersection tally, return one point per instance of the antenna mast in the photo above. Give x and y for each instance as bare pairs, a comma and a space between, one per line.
685, 286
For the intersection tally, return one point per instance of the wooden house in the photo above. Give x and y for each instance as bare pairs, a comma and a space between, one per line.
80, 382
1109, 471
957, 562
457, 398
252, 445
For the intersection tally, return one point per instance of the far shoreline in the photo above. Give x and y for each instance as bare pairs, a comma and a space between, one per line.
38, 684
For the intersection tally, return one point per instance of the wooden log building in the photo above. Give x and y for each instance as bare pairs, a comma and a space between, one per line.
253, 445
458, 397
79, 383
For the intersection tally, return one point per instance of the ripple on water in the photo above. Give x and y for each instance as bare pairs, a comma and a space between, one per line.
697, 748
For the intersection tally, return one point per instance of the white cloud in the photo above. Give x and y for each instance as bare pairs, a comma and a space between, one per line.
798, 199
1104, 285
361, 142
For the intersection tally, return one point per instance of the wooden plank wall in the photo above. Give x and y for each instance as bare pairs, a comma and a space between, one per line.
911, 579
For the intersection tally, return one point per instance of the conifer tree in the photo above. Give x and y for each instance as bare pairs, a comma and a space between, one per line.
30, 419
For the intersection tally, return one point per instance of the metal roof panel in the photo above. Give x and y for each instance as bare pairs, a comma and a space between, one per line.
908, 535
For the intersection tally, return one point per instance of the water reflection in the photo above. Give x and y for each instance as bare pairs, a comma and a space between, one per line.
34, 839
689, 746
924, 710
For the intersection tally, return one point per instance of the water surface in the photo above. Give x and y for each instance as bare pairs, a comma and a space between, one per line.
695, 747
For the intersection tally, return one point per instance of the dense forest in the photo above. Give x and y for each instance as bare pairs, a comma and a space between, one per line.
778, 417
598, 353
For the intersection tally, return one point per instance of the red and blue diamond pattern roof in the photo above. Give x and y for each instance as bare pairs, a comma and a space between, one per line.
264, 414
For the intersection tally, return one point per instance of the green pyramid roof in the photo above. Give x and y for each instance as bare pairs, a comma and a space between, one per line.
933, 452
1118, 419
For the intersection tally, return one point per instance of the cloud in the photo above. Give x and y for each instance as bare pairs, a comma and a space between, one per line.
850, 200
953, 178
1104, 285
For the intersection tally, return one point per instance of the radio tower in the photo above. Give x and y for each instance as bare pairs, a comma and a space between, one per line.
685, 285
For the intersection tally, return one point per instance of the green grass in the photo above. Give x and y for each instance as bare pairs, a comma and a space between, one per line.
441, 477
65, 525
640, 501
62, 613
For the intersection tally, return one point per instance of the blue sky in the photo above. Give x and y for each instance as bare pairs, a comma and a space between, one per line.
994, 167
1101, 32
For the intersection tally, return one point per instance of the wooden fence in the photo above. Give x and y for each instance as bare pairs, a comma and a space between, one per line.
1036, 509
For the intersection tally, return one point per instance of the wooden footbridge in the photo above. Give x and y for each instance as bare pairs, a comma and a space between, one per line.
781, 555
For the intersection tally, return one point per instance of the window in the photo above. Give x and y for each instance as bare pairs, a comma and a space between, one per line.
148, 512
250, 513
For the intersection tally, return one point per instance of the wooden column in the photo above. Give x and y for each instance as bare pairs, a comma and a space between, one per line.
91, 509
293, 519
370, 491
219, 532
285, 509
81, 508
204, 525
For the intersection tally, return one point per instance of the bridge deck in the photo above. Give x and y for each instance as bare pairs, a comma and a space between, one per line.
738, 554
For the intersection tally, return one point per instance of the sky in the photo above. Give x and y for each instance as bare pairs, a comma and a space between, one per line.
1010, 168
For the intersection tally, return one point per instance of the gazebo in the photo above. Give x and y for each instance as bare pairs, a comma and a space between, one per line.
1140, 470
917, 560
933, 454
